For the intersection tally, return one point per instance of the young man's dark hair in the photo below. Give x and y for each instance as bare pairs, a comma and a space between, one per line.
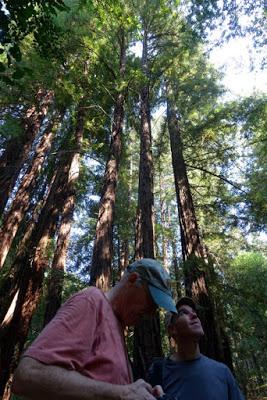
187, 374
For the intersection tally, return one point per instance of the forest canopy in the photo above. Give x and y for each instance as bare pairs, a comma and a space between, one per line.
107, 156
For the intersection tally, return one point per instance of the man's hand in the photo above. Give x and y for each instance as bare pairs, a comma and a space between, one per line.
157, 391
141, 390
35, 380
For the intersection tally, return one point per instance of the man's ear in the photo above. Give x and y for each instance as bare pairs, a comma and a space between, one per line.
133, 277
171, 330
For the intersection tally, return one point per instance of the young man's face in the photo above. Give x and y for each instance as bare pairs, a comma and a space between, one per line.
186, 324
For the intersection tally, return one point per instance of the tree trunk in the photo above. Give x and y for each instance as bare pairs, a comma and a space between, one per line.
123, 236
17, 149
183, 193
147, 338
100, 272
196, 267
175, 263
21, 201
163, 224
9, 284
177, 274
30, 270
145, 231
55, 285
124, 256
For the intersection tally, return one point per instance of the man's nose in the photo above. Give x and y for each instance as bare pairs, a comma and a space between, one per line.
193, 315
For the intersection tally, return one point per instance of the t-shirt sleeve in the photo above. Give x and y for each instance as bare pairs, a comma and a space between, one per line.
69, 336
234, 392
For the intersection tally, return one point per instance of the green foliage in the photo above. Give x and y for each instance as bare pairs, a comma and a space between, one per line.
245, 300
204, 16
256, 173
19, 19
81, 46
249, 272
10, 127
194, 264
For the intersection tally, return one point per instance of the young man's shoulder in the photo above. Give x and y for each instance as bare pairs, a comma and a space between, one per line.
214, 363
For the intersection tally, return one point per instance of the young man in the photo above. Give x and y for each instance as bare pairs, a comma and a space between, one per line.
188, 374
81, 353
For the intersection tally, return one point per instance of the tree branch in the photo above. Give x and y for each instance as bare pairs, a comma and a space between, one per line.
217, 176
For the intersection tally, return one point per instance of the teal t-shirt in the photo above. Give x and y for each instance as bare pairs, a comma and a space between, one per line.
199, 379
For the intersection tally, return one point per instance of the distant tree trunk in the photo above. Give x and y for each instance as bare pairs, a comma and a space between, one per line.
147, 338
177, 274
17, 149
163, 223
175, 262
123, 259
124, 255
195, 272
55, 285
100, 272
9, 284
183, 193
30, 270
21, 201
123, 242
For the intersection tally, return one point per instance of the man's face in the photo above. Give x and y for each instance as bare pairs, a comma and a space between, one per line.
140, 304
186, 324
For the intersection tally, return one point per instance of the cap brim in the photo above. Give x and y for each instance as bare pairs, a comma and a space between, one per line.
162, 299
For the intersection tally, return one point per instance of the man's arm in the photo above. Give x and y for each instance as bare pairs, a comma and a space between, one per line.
35, 380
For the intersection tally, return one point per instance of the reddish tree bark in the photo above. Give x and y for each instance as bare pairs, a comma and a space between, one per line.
21, 201
55, 285
147, 338
163, 214
9, 285
17, 149
100, 272
30, 270
124, 256
144, 246
191, 240
178, 273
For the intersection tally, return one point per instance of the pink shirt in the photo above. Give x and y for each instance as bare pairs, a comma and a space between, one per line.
85, 336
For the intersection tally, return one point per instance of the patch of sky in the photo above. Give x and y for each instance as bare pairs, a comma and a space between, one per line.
3, 7
241, 66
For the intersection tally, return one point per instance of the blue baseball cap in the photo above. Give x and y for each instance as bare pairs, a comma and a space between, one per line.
156, 277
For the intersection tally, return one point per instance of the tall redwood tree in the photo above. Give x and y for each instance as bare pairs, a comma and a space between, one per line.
100, 272
29, 266
17, 148
147, 339
196, 261
71, 169
21, 201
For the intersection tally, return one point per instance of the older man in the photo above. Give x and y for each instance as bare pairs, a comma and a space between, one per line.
81, 354
188, 374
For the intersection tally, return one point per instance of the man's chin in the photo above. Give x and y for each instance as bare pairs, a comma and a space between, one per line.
199, 334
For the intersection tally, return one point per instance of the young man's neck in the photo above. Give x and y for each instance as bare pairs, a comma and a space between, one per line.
187, 350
